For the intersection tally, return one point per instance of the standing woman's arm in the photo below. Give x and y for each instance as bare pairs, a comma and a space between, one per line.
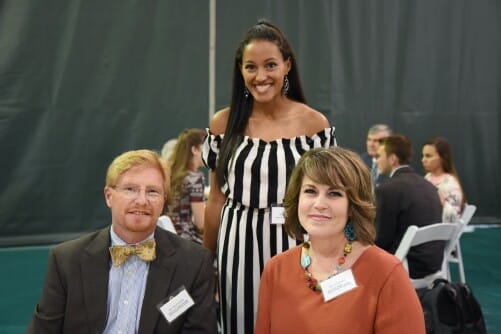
212, 218
197, 211
216, 198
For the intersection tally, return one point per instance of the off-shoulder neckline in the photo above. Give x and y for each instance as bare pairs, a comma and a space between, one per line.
278, 140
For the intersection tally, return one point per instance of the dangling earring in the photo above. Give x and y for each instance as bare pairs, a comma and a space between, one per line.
285, 89
246, 92
349, 232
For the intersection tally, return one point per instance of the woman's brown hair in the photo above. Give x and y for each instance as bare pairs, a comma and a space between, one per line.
341, 169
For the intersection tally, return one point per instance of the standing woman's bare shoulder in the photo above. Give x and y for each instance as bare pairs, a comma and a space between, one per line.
219, 121
312, 120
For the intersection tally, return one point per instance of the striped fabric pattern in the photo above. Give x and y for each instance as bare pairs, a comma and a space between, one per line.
255, 180
126, 288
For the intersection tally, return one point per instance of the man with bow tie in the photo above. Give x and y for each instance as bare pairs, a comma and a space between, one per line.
131, 277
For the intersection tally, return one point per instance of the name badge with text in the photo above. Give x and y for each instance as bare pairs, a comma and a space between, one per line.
277, 214
338, 284
176, 305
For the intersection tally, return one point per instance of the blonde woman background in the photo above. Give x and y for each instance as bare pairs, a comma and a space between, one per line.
186, 204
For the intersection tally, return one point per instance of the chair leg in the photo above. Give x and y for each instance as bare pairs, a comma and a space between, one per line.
462, 277
446, 268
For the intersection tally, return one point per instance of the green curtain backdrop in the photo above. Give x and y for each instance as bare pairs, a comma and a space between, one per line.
82, 81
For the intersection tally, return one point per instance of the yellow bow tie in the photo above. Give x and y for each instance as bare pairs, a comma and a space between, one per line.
144, 250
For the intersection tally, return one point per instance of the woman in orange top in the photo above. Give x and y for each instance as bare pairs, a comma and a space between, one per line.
338, 281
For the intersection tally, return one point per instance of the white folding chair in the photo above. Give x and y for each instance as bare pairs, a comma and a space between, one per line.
455, 256
419, 235
468, 212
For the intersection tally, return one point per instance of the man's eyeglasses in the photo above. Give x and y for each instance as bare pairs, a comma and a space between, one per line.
133, 192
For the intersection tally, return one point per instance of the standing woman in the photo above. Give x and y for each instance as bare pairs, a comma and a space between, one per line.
186, 202
251, 149
437, 162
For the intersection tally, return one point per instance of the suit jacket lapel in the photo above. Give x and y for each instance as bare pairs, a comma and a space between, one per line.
159, 279
95, 266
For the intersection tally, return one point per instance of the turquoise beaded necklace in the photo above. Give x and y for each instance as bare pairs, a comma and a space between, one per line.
306, 262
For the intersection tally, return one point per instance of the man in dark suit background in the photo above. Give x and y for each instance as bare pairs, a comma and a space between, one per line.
405, 199
132, 276
374, 135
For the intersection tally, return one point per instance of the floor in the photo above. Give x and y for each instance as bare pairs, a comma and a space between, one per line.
24, 269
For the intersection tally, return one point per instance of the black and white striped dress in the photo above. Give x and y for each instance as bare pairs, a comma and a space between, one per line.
255, 180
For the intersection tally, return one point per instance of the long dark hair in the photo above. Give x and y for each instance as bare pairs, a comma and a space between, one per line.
241, 107
444, 152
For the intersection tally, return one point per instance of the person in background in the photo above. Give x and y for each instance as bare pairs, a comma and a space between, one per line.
251, 149
164, 221
329, 198
186, 203
168, 148
405, 199
437, 162
374, 135
114, 280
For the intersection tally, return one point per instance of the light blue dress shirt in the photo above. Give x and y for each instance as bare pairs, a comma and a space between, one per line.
125, 292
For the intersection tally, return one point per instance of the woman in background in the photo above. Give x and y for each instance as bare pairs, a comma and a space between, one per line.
338, 281
437, 162
186, 203
251, 149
